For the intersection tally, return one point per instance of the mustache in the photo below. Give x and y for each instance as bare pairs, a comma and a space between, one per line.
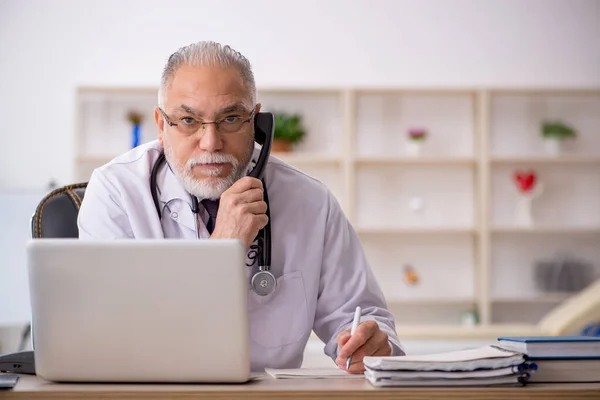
215, 158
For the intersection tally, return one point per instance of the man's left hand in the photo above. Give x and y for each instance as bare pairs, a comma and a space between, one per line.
368, 340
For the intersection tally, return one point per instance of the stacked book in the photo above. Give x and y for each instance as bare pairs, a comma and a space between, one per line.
483, 366
559, 358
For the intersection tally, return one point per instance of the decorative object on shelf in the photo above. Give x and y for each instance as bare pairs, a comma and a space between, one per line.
136, 119
416, 138
51, 185
553, 133
417, 204
563, 273
529, 188
288, 131
469, 318
410, 275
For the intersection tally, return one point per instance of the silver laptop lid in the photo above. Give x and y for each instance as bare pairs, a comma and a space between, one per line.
139, 310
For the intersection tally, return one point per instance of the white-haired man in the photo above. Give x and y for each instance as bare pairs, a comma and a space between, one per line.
207, 100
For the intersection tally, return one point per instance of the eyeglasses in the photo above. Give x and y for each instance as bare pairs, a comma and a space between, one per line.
188, 125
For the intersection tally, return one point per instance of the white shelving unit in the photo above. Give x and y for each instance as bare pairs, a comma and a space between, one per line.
462, 243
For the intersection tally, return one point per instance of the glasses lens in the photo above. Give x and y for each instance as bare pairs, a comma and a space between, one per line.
188, 126
231, 125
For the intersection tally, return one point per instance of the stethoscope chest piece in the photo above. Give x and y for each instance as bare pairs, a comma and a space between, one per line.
263, 283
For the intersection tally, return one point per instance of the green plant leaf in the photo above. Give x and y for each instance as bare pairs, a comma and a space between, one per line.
557, 130
288, 127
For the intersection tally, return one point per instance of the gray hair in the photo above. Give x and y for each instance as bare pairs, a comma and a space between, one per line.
207, 54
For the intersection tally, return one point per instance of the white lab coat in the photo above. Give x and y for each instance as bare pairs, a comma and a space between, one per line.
317, 258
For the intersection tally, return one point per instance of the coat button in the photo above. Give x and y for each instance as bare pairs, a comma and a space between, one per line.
174, 215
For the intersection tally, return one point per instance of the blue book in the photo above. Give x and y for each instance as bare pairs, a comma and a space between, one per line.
553, 346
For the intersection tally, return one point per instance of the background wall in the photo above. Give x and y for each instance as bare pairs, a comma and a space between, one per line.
50, 47
47, 48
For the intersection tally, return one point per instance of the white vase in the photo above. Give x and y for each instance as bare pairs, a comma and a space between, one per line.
523, 217
414, 148
552, 146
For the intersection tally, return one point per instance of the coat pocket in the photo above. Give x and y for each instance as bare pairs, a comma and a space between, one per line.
280, 318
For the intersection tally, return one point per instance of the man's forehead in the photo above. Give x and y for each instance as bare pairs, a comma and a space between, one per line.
233, 107
212, 83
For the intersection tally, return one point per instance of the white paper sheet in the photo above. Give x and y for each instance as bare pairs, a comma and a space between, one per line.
312, 373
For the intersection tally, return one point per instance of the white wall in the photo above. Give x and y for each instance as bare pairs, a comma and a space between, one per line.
47, 48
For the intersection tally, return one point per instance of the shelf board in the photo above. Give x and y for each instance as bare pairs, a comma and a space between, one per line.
551, 230
416, 91
545, 91
548, 298
291, 90
565, 159
290, 158
462, 332
465, 332
365, 230
99, 160
306, 158
399, 160
448, 301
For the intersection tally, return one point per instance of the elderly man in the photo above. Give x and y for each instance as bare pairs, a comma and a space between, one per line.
207, 102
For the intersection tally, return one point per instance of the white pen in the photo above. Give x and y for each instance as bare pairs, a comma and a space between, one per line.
353, 330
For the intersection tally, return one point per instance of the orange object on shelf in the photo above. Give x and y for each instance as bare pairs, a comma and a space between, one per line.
410, 275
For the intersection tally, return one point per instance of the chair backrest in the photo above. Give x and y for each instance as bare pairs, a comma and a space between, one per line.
56, 214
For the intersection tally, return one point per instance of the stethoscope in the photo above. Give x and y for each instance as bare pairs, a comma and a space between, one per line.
263, 282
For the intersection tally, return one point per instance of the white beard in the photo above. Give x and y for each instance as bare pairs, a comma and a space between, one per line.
213, 186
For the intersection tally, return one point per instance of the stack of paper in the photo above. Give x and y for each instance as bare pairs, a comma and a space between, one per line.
483, 366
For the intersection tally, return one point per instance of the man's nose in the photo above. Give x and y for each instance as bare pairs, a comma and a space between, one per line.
210, 139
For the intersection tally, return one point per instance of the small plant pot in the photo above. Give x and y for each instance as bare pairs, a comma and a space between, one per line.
281, 146
552, 146
414, 148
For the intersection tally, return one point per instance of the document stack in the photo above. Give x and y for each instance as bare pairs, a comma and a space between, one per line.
559, 358
483, 366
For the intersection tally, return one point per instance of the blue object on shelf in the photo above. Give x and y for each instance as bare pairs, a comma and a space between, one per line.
136, 135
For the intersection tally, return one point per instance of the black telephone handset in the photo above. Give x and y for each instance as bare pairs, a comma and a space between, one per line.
264, 125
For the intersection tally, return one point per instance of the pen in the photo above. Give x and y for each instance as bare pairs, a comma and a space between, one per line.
353, 330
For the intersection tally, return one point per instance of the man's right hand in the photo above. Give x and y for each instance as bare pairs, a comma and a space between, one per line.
242, 211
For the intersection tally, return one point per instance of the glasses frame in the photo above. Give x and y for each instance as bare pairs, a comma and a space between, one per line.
217, 123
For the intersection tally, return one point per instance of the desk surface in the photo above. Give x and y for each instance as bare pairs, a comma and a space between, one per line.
265, 387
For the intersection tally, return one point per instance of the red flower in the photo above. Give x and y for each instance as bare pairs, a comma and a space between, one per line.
525, 181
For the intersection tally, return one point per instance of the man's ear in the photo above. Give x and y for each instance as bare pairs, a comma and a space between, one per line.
160, 123
258, 107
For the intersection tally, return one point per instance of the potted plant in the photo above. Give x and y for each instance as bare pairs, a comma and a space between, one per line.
287, 132
416, 138
553, 133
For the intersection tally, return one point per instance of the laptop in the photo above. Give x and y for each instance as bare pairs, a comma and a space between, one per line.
139, 310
